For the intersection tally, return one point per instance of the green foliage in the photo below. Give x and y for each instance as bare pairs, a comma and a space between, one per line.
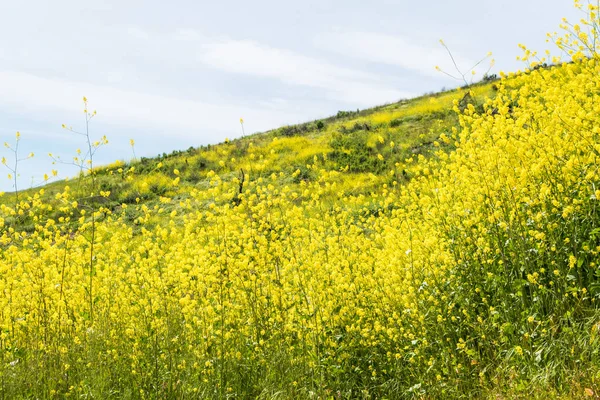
351, 150
489, 77
357, 126
346, 114
301, 129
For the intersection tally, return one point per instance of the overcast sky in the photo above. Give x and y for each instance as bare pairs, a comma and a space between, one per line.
181, 73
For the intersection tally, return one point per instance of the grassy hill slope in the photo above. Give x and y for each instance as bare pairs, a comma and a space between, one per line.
367, 148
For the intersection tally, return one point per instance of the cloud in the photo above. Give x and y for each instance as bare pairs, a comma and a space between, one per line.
31, 94
394, 50
137, 33
187, 35
247, 57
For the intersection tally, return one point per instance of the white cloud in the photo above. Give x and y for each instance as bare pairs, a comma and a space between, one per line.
187, 35
137, 33
30, 94
395, 50
341, 83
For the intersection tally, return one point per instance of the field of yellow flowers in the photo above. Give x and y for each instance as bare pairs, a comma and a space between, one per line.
459, 260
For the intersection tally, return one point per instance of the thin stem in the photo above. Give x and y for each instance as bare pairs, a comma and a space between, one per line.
454, 62
15, 176
90, 154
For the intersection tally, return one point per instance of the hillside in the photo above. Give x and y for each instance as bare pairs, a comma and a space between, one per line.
442, 247
349, 144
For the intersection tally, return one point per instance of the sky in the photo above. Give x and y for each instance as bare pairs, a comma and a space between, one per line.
176, 74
